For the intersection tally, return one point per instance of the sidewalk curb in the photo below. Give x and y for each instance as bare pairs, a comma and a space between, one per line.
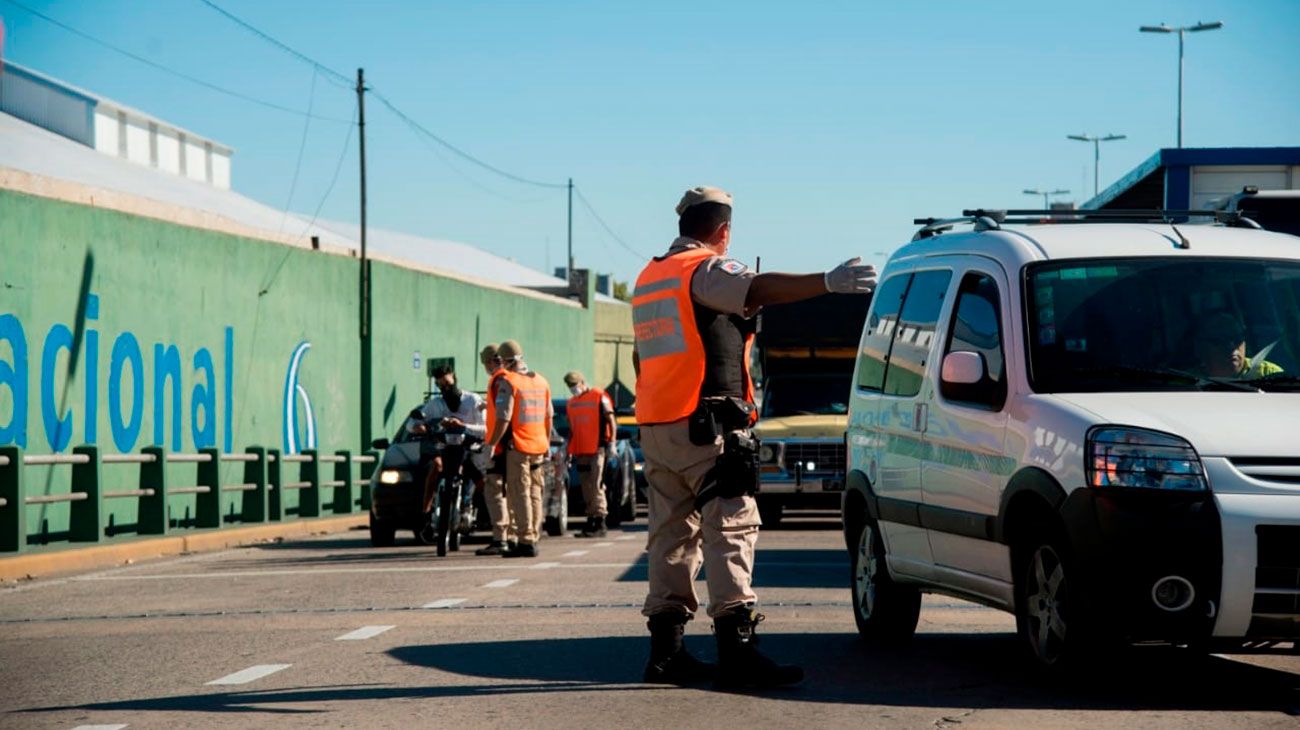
108, 556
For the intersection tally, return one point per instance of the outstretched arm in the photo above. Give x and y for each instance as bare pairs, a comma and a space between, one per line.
850, 277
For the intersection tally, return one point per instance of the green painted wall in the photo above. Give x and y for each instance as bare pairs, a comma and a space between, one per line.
247, 306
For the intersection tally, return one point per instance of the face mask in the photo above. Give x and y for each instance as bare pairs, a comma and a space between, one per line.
575, 389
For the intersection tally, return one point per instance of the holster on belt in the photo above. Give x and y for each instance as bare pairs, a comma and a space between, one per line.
736, 472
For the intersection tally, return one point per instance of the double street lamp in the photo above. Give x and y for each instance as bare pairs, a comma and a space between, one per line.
1046, 194
1096, 152
1181, 31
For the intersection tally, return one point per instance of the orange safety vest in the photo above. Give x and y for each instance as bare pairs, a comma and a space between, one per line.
669, 348
491, 414
588, 428
530, 425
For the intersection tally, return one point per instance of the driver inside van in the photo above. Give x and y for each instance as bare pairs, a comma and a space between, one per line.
1220, 344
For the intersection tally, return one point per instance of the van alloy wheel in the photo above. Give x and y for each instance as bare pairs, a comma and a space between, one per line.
864, 580
1046, 594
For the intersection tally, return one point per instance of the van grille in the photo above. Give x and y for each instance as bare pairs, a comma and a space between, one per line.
1276, 609
1282, 470
827, 457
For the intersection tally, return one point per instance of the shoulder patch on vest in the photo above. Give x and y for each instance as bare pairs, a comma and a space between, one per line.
732, 266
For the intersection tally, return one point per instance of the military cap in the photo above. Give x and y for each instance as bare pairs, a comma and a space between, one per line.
573, 377
488, 352
695, 196
510, 350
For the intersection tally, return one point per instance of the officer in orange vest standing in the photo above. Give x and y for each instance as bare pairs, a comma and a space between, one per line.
692, 313
493, 464
523, 407
591, 444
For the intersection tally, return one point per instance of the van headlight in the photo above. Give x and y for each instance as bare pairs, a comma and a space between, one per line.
1133, 457
393, 476
770, 453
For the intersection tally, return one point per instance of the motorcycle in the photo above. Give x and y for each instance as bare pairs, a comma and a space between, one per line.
455, 446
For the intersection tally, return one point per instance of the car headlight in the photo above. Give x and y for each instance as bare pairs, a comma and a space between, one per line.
638, 466
770, 453
1134, 457
393, 476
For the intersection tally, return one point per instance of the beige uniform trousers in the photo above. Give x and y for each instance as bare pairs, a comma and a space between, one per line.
721, 537
590, 470
524, 481
494, 493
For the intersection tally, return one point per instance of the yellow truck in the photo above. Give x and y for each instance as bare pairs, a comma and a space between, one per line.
804, 356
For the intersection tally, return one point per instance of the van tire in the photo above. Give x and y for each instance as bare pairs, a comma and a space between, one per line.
1053, 631
886, 612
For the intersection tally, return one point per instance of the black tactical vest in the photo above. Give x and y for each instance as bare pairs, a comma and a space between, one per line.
724, 338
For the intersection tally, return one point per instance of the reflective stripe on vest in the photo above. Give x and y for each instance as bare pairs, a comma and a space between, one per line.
668, 345
528, 421
586, 425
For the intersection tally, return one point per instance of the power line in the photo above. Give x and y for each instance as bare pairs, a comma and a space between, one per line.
302, 147
421, 129
329, 72
587, 204
166, 69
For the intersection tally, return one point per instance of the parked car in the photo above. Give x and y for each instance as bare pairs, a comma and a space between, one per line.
619, 476
1092, 426
630, 432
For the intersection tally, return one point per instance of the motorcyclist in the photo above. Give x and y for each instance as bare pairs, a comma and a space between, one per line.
451, 408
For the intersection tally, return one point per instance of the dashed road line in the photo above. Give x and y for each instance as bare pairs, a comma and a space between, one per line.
625, 537
365, 632
252, 674
503, 583
575, 553
545, 566
444, 603
100, 727
603, 544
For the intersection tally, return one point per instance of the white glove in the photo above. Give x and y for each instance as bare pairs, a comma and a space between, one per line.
851, 277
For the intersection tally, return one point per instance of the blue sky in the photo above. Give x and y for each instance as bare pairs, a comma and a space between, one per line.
833, 123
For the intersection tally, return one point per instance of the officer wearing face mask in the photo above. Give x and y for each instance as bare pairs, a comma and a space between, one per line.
452, 408
591, 444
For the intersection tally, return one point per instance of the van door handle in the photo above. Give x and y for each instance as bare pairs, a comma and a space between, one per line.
920, 414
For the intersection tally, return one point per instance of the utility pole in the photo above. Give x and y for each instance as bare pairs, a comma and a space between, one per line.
568, 273
1182, 31
365, 271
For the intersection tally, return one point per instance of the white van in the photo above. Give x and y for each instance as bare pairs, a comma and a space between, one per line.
1095, 426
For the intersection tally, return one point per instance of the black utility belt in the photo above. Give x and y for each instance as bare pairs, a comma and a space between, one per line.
715, 417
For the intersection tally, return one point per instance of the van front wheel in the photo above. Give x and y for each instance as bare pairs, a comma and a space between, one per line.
885, 612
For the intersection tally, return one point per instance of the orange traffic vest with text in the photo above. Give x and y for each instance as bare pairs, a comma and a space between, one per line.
588, 426
669, 349
530, 425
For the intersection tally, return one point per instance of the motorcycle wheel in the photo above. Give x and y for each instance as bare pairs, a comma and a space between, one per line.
444, 523
453, 525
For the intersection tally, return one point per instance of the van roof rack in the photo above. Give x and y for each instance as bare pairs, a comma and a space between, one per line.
990, 219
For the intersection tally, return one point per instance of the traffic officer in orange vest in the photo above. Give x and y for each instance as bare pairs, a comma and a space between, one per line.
692, 313
591, 444
493, 465
523, 406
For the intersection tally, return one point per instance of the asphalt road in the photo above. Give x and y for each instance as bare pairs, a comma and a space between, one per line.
328, 632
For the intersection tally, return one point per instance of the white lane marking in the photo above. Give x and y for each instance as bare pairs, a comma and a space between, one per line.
625, 537
603, 544
503, 583
100, 727
435, 569
244, 676
444, 603
365, 632
545, 566
574, 554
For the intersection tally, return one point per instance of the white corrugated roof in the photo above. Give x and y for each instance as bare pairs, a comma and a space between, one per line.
28, 148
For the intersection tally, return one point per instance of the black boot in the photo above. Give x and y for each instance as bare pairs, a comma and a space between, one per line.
496, 547
739, 662
670, 663
595, 528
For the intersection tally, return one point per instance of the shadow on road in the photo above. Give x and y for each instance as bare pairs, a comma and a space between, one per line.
777, 568
939, 670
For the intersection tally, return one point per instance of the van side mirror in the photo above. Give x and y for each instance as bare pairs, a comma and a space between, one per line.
962, 368
380, 444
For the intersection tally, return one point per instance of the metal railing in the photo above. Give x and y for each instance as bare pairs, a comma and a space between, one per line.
261, 490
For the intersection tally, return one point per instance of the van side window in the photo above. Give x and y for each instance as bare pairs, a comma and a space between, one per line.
879, 332
915, 332
977, 327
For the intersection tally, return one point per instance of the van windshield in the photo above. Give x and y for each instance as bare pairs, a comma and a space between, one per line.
1137, 324
806, 395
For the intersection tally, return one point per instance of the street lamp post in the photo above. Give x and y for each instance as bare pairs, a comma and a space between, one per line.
1096, 152
1046, 194
1181, 31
